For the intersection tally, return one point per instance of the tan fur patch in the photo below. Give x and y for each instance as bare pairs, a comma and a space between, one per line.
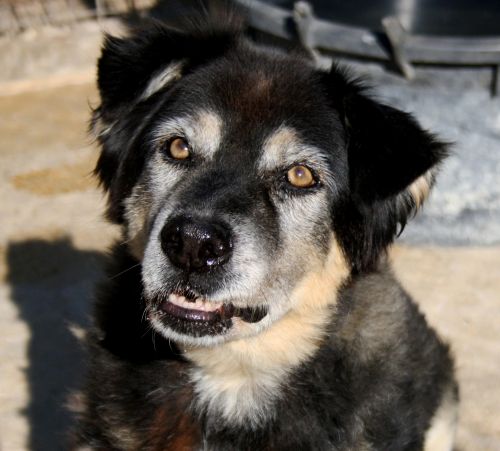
168, 75
276, 146
420, 188
137, 207
244, 375
208, 132
441, 434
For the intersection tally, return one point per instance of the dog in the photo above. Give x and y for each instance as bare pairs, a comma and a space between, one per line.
251, 305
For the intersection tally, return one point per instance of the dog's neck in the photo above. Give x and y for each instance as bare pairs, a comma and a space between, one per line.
241, 379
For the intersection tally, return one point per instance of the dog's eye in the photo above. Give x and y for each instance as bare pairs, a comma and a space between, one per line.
179, 149
300, 177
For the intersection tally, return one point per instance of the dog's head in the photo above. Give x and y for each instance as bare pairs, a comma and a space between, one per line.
249, 184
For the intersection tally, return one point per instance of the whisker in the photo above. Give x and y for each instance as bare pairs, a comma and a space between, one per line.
153, 338
148, 329
144, 317
124, 271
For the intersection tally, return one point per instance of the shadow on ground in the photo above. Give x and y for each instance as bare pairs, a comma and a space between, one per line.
51, 284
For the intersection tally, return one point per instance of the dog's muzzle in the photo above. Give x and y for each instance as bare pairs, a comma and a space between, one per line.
197, 246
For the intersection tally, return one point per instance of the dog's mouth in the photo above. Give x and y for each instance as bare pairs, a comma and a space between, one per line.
198, 309
188, 313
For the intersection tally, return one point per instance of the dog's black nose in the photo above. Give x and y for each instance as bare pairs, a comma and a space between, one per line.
196, 245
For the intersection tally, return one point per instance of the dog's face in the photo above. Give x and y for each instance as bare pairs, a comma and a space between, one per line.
248, 183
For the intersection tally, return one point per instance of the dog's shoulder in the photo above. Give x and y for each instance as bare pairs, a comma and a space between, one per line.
378, 325
382, 353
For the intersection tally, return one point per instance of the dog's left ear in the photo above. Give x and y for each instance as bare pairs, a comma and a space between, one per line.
392, 162
388, 150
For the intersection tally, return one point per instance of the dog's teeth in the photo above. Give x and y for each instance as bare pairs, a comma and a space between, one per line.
175, 299
197, 304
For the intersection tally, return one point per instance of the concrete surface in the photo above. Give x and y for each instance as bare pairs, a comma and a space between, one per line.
52, 240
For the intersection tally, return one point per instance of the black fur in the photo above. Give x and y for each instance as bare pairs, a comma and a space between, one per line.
353, 393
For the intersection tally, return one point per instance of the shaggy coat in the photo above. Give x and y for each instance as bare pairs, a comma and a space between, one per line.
252, 305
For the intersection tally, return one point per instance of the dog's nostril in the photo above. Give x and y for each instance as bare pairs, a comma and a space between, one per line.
216, 248
175, 237
195, 245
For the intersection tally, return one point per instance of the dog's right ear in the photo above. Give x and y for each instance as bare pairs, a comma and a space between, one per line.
152, 56
132, 72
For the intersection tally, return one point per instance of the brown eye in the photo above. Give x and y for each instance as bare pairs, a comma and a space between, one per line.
179, 149
300, 177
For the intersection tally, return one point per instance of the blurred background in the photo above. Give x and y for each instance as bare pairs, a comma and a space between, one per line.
439, 59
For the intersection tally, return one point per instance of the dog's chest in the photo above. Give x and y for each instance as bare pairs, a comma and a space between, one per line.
204, 410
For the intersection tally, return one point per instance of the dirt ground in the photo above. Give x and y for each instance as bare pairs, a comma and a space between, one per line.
52, 240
